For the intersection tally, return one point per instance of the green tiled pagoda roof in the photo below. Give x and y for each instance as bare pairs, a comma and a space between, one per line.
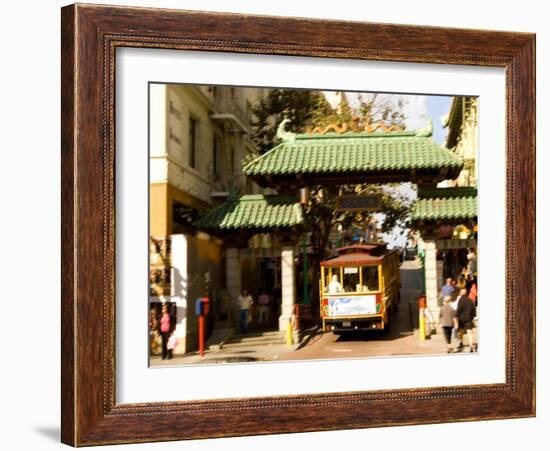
253, 212
445, 203
334, 153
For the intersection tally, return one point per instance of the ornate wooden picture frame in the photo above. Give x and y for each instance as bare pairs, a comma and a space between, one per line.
90, 37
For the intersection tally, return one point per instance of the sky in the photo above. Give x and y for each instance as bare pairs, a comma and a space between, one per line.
417, 110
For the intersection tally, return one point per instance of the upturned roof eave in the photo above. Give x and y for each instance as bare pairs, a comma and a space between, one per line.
238, 215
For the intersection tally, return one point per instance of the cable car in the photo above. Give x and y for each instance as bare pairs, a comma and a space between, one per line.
360, 288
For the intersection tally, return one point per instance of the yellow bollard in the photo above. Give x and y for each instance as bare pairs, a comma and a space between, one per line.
289, 340
421, 325
421, 318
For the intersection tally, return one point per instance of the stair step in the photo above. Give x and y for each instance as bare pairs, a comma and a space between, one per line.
240, 339
270, 333
252, 345
254, 341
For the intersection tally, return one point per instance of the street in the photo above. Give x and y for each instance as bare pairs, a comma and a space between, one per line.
400, 339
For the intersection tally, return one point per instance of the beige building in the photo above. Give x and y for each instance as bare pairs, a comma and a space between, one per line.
198, 137
463, 137
457, 232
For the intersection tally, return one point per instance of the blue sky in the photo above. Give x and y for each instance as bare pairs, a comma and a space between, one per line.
416, 109
438, 106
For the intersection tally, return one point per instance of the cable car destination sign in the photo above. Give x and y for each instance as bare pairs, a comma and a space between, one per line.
367, 202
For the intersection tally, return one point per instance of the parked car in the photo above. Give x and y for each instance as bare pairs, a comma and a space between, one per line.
401, 251
410, 253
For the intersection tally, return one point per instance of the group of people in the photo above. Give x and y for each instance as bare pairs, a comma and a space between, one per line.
335, 287
457, 314
246, 303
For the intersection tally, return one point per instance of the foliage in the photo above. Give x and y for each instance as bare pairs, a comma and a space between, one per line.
381, 108
301, 107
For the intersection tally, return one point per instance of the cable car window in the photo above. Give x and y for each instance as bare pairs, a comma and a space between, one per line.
334, 285
351, 279
370, 278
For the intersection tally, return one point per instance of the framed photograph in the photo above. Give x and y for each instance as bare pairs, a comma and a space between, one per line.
275, 225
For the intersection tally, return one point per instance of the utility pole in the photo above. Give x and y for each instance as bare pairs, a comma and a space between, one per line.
305, 269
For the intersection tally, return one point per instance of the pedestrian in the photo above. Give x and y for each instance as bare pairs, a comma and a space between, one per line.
245, 302
464, 320
448, 289
172, 343
446, 319
155, 341
472, 294
461, 283
334, 286
165, 329
472, 263
263, 302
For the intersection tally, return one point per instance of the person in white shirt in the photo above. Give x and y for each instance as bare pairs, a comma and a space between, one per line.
334, 286
245, 301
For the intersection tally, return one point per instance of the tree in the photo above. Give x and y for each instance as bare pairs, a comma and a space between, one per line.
301, 107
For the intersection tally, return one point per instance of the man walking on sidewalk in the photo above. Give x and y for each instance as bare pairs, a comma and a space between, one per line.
446, 319
464, 319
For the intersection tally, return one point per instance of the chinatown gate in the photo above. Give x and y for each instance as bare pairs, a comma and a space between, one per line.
331, 159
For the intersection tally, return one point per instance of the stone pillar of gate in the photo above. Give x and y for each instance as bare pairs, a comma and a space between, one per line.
179, 287
233, 277
288, 286
430, 269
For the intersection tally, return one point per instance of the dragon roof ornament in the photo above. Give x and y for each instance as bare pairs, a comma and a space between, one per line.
356, 125
427, 131
282, 134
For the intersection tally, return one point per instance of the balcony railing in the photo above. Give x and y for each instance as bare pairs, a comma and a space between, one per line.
225, 105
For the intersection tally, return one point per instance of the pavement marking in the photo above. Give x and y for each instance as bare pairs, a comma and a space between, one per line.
339, 350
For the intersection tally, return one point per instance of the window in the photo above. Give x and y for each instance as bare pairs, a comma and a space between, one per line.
351, 279
332, 281
370, 278
192, 142
232, 161
215, 156
249, 112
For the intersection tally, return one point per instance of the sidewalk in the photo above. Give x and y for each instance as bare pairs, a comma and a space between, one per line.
244, 354
437, 341
239, 349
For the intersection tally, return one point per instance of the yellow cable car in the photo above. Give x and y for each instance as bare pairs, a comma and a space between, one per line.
360, 288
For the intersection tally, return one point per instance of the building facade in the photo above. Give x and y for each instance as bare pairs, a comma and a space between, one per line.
198, 137
450, 212
463, 138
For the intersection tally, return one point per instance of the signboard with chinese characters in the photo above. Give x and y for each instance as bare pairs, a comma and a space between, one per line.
368, 202
456, 244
